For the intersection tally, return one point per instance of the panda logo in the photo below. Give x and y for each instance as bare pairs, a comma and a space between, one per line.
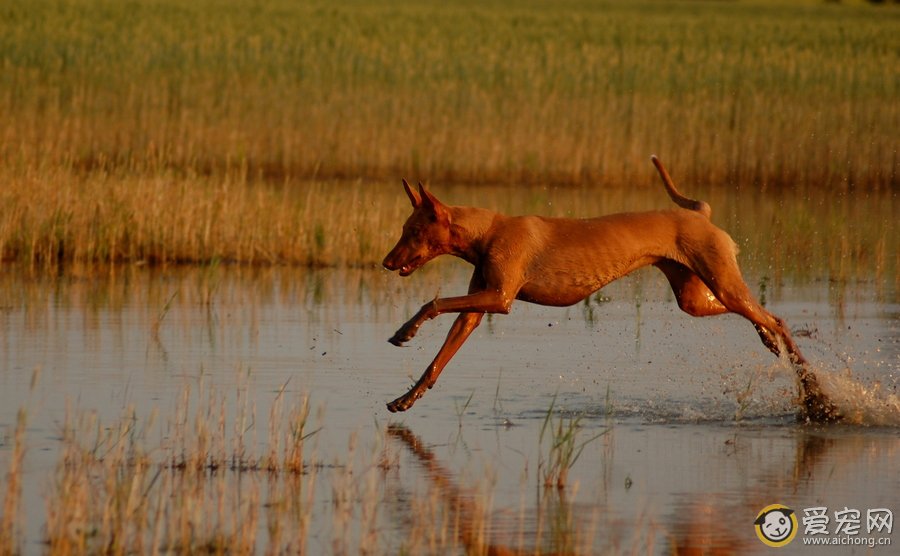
776, 525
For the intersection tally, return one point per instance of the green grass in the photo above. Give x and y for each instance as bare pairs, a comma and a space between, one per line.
564, 446
751, 92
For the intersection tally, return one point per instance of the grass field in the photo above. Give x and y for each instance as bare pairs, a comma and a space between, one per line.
750, 92
163, 131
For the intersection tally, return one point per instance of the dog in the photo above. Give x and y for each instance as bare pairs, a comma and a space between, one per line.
560, 261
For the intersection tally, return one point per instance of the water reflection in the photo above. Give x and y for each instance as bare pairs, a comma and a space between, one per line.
716, 518
555, 526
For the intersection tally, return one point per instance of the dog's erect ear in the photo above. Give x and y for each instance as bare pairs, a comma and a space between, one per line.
414, 197
432, 203
427, 197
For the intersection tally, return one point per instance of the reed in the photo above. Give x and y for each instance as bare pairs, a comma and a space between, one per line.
50, 221
185, 132
564, 446
90, 222
116, 491
194, 482
756, 92
10, 535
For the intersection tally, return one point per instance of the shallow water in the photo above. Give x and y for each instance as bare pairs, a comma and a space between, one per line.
691, 420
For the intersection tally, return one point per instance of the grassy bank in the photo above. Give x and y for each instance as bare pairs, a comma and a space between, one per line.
48, 222
751, 92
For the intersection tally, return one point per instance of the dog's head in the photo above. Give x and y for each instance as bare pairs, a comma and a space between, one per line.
426, 233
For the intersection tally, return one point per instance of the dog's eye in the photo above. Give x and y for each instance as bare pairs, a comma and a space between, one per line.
781, 521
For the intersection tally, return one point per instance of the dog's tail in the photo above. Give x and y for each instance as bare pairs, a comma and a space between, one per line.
679, 199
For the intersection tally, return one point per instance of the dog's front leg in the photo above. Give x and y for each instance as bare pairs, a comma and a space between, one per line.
489, 301
462, 327
406, 332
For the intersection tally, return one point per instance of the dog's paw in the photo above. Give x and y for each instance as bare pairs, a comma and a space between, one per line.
820, 409
405, 401
400, 404
396, 340
405, 334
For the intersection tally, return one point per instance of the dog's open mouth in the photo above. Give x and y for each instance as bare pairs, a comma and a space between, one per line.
411, 266
404, 269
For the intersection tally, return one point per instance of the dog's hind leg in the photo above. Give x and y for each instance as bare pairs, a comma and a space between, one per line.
692, 295
730, 289
816, 404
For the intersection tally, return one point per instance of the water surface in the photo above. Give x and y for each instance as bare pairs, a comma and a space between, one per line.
693, 418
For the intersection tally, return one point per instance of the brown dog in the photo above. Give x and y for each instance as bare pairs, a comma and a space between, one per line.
560, 261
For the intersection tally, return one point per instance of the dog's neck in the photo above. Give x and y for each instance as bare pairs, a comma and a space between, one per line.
468, 228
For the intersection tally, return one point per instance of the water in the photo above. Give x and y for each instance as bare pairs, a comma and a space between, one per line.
692, 420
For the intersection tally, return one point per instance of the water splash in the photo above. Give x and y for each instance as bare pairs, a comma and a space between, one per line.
862, 404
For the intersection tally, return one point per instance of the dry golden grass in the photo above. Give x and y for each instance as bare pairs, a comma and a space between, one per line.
185, 132
115, 491
47, 223
9, 519
752, 92
204, 486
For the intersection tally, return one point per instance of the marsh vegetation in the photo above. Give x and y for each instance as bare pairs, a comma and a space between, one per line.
193, 131
193, 196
